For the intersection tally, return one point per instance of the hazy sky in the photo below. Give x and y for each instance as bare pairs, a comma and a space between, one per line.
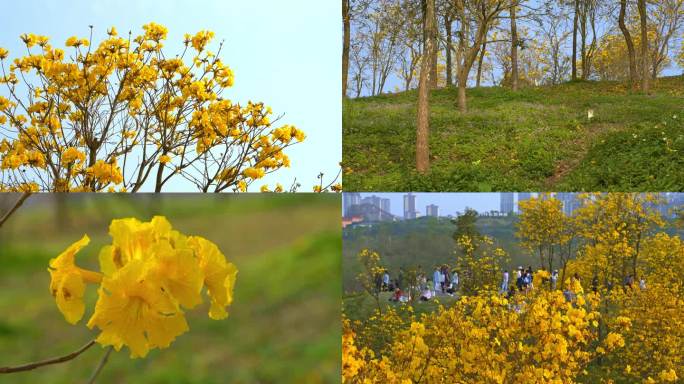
284, 53
449, 203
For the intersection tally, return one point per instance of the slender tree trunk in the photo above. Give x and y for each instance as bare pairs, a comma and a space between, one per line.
630, 45
644, 46
514, 48
479, 63
423, 124
462, 82
574, 42
345, 45
583, 41
447, 28
433, 58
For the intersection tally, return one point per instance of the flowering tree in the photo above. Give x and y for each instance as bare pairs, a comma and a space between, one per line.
479, 264
481, 339
124, 113
545, 335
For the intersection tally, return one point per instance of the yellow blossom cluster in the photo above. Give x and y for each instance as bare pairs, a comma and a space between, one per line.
540, 338
124, 113
618, 303
148, 276
478, 263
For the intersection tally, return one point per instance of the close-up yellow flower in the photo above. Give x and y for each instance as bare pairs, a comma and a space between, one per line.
149, 274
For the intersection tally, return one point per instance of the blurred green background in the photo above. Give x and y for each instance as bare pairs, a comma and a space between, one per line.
284, 324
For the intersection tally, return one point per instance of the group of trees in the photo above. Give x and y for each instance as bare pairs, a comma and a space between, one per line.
599, 325
436, 43
509, 42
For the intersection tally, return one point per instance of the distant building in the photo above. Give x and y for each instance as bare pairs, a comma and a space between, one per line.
570, 202
349, 199
369, 212
385, 205
432, 210
507, 203
409, 206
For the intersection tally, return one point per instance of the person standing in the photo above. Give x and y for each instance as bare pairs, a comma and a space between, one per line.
504, 283
554, 279
436, 277
385, 281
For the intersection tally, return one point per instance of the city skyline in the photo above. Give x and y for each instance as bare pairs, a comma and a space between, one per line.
449, 204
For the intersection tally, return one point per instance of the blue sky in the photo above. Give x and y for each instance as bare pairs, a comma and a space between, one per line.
284, 53
449, 203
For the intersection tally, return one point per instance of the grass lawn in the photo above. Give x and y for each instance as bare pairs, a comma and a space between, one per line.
537, 139
284, 323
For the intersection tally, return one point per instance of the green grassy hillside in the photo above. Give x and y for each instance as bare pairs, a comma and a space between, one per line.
284, 322
426, 242
535, 139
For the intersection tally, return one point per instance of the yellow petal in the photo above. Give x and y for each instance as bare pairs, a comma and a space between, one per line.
219, 275
70, 297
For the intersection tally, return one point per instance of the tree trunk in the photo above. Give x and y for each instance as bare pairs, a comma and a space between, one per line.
447, 28
462, 82
423, 124
514, 48
630, 45
433, 58
345, 45
583, 41
644, 45
574, 42
479, 64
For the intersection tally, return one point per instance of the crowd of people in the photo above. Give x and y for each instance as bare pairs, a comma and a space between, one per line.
445, 282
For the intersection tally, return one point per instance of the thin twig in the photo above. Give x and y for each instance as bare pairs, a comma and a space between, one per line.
55, 360
104, 360
16, 206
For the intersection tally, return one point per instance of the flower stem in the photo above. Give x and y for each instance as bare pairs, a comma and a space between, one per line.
99, 367
16, 206
55, 360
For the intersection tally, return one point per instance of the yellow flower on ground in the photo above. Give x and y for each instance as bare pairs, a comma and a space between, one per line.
668, 376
